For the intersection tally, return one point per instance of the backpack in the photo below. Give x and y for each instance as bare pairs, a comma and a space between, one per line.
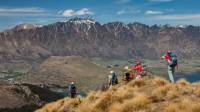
114, 79
73, 89
127, 75
174, 61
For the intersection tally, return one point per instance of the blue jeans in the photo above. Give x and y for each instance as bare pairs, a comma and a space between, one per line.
171, 71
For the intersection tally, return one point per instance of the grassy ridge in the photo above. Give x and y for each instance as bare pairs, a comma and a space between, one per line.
148, 95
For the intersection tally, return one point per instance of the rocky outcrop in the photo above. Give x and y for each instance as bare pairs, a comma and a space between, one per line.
23, 97
88, 38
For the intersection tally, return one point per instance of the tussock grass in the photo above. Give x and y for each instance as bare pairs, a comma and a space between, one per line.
185, 87
146, 95
139, 102
184, 105
172, 95
161, 93
197, 92
197, 84
160, 81
182, 82
137, 83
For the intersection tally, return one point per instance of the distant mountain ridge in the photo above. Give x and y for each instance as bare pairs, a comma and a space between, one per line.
88, 38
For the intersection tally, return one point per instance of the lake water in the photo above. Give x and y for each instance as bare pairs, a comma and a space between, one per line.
191, 77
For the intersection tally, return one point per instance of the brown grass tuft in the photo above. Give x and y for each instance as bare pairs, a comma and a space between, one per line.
137, 83
140, 102
185, 105
172, 94
92, 96
104, 102
116, 107
182, 82
196, 108
197, 92
160, 81
137, 103
159, 94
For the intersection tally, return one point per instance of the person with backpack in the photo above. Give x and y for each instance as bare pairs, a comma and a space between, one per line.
72, 90
113, 80
131, 74
138, 69
127, 76
172, 62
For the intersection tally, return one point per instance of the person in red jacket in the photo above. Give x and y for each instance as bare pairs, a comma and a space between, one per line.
171, 59
167, 57
138, 69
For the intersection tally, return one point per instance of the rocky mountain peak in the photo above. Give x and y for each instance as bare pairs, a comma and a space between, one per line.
24, 26
82, 21
88, 38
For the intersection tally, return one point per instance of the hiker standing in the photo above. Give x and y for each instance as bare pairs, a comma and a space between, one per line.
171, 59
138, 69
128, 74
112, 77
131, 73
72, 90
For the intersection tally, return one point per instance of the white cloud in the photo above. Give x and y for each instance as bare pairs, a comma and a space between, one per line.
179, 17
153, 12
161, 0
123, 1
121, 12
68, 12
22, 10
81, 12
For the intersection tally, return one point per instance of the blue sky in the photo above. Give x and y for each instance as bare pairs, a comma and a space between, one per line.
174, 12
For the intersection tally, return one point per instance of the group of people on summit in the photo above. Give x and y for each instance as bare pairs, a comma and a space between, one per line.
128, 75
137, 72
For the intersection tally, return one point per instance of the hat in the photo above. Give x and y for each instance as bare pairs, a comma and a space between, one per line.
138, 62
126, 67
111, 71
72, 82
168, 52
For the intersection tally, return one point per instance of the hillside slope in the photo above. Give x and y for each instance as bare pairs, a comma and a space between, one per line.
147, 95
61, 71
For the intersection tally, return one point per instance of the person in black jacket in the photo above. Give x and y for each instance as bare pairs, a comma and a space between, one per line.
72, 90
